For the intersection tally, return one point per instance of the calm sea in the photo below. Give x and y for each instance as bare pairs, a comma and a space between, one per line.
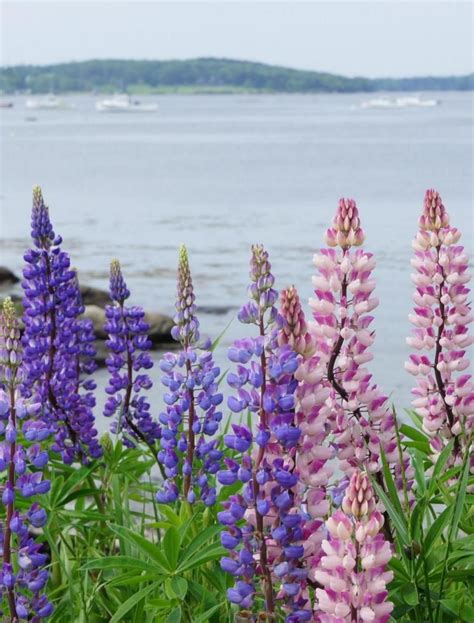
221, 172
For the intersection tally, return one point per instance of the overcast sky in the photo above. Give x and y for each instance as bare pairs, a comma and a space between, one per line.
378, 38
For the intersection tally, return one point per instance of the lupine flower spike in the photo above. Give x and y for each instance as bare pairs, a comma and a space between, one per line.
444, 394
129, 345
58, 343
337, 391
22, 575
352, 570
189, 452
263, 526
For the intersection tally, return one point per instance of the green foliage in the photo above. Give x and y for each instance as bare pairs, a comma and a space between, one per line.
202, 75
117, 556
434, 537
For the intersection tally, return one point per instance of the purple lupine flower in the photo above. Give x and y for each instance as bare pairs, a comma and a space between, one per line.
128, 344
189, 453
22, 577
264, 549
58, 343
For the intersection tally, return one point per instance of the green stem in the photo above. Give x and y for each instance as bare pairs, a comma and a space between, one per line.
450, 537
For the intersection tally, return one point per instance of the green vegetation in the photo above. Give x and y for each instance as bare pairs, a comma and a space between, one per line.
204, 75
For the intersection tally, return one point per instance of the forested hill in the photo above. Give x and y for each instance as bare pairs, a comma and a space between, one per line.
202, 74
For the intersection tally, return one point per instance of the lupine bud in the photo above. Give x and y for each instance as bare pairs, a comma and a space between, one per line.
346, 231
294, 330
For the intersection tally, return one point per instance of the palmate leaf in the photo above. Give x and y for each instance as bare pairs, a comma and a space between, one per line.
132, 601
141, 543
436, 529
174, 616
196, 544
397, 518
439, 467
121, 562
171, 545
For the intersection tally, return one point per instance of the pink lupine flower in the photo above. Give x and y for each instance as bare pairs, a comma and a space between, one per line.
337, 394
444, 394
352, 569
294, 331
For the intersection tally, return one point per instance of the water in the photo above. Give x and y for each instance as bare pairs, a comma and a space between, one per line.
221, 172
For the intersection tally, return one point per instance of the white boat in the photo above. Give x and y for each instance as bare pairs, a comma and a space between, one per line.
405, 101
124, 103
47, 102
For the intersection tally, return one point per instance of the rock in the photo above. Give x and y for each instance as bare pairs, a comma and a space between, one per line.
216, 310
102, 352
160, 327
7, 277
97, 315
160, 324
94, 296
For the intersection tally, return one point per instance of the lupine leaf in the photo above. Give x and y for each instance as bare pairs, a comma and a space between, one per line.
149, 549
132, 601
399, 521
174, 616
171, 544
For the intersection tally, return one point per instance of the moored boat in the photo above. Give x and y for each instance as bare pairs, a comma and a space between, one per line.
124, 103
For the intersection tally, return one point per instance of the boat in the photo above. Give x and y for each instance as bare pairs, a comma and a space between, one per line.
124, 103
47, 102
6, 104
405, 101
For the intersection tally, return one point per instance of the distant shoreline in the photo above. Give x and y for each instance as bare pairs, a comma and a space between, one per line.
204, 76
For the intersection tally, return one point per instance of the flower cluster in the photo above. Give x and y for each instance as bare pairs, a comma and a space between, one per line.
352, 570
22, 574
58, 343
264, 528
337, 395
191, 419
128, 344
444, 394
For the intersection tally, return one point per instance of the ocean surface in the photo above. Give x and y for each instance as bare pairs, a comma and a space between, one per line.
219, 173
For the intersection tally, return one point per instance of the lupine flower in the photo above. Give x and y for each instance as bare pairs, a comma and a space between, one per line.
58, 343
264, 529
189, 453
336, 393
352, 570
294, 330
444, 394
128, 344
22, 576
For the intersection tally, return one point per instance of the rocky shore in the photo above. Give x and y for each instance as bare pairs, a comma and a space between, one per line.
95, 300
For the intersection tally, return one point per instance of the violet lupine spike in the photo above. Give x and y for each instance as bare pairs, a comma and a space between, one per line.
128, 344
336, 389
444, 394
264, 529
353, 570
189, 450
23, 575
56, 340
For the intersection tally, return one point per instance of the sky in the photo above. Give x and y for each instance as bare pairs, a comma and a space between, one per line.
374, 39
